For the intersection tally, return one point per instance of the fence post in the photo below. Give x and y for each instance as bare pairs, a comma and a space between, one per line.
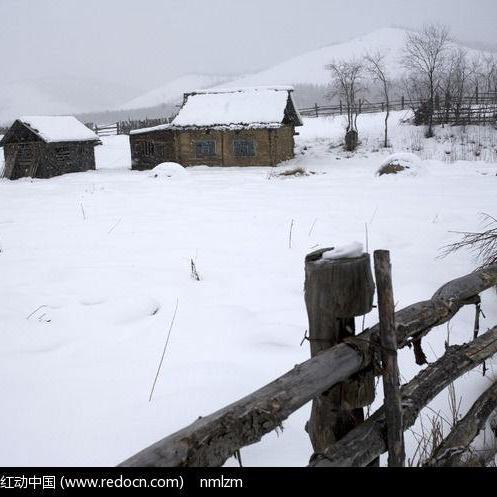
337, 290
388, 341
316, 109
341, 108
402, 102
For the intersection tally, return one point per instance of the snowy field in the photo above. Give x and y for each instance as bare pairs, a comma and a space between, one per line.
93, 264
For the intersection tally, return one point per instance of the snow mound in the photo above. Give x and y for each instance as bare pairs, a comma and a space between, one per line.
404, 162
349, 251
168, 170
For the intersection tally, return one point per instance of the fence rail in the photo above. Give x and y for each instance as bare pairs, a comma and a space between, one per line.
124, 127
211, 440
478, 108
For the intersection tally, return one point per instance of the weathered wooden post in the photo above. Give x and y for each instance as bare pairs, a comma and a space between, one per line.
316, 109
336, 291
388, 341
402, 102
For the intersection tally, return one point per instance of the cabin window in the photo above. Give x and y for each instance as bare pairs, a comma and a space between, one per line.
205, 148
244, 148
145, 148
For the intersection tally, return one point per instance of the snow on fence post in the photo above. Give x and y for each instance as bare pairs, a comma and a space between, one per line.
390, 368
337, 289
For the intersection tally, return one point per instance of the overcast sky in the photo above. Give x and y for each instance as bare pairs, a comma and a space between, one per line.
144, 43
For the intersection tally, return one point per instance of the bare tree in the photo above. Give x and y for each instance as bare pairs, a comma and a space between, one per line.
457, 81
490, 76
375, 65
346, 82
425, 56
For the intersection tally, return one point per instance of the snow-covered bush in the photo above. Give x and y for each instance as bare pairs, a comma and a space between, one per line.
296, 171
400, 162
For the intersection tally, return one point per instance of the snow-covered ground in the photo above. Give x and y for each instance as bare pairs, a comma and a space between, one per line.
94, 263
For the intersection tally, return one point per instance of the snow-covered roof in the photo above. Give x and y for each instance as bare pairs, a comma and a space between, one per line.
58, 128
257, 106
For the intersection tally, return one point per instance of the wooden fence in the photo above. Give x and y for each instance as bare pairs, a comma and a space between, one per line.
364, 107
124, 127
339, 377
479, 108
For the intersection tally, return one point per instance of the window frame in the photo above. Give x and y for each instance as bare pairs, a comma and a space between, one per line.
211, 153
145, 148
237, 150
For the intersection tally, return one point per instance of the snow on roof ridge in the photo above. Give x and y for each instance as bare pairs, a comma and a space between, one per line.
241, 89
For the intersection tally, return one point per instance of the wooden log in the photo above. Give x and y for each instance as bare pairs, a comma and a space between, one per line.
390, 369
454, 448
208, 442
337, 290
367, 441
211, 440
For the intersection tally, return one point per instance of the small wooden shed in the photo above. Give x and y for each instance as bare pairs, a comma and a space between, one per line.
231, 127
46, 146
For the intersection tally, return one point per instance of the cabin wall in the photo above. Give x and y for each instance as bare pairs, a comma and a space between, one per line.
186, 142
272, 145
41, 160
224, 147
262, 139
151, 149
21, 159
66, 157
284, 148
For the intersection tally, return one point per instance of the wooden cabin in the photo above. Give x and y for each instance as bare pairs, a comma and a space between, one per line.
233, 127
46, 146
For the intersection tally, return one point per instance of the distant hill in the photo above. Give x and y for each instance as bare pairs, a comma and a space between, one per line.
65, 95
172, 91
309, 68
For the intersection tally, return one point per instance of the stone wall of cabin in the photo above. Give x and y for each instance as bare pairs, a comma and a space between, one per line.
151, 149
